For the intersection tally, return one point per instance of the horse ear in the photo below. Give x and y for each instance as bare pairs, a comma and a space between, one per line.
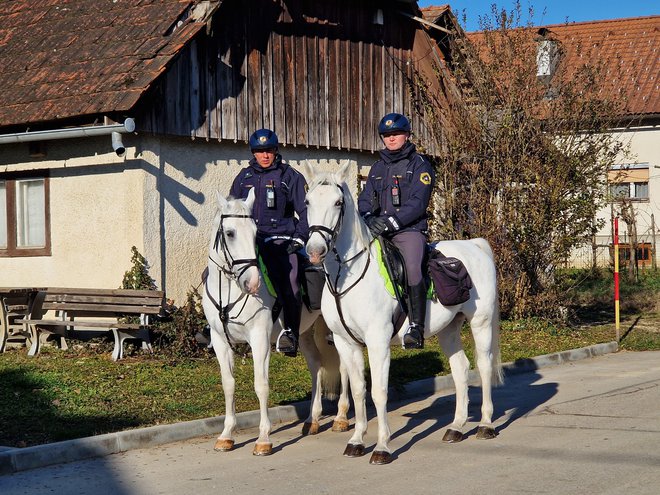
308, 172
249, 201
343, 174
222, 201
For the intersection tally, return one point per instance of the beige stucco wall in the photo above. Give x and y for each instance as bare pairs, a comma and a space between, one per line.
180, 199
95, 214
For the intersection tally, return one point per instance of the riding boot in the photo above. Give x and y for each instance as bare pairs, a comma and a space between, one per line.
287, 341
414, 336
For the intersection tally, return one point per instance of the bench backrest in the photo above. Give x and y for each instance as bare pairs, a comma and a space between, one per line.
110, 302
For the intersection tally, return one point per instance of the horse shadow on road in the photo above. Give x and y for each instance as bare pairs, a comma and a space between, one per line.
517, 397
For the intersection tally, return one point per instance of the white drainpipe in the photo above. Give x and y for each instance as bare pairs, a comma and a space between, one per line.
74, 132
96, 130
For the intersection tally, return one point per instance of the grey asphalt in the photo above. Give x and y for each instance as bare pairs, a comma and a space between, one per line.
584, 420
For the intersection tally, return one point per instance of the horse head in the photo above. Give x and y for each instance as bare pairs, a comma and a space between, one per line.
330, 209
233, 246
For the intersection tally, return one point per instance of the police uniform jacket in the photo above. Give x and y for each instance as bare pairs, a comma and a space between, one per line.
414, 176
288, 186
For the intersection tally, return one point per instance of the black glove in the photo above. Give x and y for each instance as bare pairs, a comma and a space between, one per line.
377, 225
293, 247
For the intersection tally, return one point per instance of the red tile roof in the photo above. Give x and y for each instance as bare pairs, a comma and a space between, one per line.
70, 58
630, 49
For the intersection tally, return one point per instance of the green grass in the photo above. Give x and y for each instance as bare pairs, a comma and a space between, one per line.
62, 395
67, 394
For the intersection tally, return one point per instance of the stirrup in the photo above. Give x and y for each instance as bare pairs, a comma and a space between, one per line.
287, 343
414, 337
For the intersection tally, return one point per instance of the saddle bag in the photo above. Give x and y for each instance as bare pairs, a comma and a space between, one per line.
451, 279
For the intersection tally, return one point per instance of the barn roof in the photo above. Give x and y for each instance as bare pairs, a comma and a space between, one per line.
71, 58
319, 73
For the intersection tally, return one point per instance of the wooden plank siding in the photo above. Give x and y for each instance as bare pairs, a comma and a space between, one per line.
320, 74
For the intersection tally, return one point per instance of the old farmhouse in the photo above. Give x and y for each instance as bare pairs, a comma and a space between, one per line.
119, 120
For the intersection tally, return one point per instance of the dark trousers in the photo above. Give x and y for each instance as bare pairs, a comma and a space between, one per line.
283, 272
412, 246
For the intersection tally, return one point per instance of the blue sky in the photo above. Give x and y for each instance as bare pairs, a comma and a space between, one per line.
556, 11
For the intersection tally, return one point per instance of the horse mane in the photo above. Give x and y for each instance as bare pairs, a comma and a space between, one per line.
351, 215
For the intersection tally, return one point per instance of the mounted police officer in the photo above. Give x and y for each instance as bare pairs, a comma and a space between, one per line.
281, 216
393, 203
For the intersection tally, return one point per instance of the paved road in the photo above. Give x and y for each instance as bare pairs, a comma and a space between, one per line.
591, 426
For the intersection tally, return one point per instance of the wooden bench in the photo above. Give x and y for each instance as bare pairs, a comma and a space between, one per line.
15, 304
81, 309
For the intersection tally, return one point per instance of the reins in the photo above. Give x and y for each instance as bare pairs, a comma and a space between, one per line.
228, 271
330, 246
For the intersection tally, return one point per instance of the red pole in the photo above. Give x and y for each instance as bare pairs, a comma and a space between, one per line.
616, 277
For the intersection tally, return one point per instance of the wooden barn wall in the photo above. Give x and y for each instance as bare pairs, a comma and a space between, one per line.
318, 73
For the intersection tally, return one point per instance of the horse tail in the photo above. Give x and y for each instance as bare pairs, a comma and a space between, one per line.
498, 372
484, 246
330, 376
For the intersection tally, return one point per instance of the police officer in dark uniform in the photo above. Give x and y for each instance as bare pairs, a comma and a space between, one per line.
393, 203
279, 197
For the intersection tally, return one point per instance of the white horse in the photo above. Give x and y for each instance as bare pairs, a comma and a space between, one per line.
360, 312
239, 310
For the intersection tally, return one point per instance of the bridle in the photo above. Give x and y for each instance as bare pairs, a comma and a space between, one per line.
221, 240
329, 235
228, 269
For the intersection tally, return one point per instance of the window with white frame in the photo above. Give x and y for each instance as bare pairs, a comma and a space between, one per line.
629, 181
24, 216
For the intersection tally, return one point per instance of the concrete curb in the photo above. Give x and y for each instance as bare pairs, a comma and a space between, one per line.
14, 460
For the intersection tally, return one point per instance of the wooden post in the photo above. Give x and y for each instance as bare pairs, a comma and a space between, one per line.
654, 263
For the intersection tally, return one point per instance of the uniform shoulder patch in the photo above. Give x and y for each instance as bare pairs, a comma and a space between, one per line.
425, 178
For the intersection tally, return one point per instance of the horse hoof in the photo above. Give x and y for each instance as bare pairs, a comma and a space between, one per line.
486, 432
452, 436
380, 457
263, 449
310, 428
223, 445
353, 450
339, 425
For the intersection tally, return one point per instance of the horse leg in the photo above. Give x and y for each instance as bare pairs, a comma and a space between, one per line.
379, 362
333, 375
352, 356
340, 424
261, 356
313, 358
483, 332
225, 357
450, 341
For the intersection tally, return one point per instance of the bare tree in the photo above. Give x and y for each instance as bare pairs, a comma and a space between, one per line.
525, 157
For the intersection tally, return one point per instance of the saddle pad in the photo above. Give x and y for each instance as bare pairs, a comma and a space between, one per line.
382, 269
267, 281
